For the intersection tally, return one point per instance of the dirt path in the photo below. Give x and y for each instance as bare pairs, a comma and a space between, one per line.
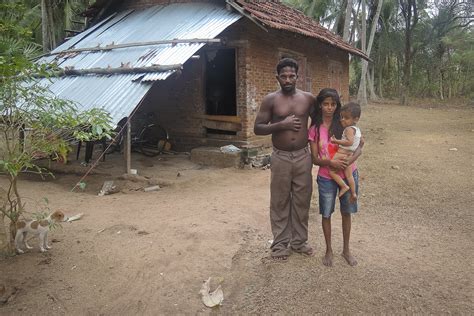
148, 253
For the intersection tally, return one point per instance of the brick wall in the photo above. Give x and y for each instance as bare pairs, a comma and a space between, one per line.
180, 103
263, 52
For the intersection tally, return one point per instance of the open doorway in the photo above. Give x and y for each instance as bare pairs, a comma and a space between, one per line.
220, 82
220, 77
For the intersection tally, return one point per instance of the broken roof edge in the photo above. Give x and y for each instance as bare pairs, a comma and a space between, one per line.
266, 19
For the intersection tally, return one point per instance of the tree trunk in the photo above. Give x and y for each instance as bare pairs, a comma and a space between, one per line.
47, 26
362, 93
380, 77
4, 240
406, 70
347, 21
370, 80
12, 236
4, 237
363, 23
441, 94
355, 26
410, 15
13, 208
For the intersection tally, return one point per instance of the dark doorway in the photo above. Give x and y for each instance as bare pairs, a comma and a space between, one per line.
220, 82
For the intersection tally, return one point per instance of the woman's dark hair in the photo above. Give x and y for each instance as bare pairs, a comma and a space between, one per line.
287, 62
317, 113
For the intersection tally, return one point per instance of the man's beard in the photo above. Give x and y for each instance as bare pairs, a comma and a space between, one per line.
288, 88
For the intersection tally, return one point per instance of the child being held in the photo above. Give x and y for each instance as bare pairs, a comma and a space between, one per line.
350, 114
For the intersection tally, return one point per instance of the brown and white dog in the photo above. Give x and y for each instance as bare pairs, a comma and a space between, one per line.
40, 228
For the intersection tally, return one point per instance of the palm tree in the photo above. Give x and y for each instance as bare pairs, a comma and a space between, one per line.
329, 13
362, 94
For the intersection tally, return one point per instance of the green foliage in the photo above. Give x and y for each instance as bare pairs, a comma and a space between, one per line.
49, 123
17, 30
442, 46
326, 12
42, 211
82, 185
34, 123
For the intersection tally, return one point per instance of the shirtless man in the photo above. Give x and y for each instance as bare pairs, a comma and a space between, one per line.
284, 114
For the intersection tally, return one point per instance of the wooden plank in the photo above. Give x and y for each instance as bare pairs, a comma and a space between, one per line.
224, 126
221, 118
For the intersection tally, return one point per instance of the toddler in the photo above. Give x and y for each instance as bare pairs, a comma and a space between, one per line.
350, 114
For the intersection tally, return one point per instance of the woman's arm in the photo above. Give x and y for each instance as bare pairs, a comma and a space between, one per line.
323, 162
357, 152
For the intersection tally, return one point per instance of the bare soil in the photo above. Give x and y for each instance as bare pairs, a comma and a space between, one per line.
138, 252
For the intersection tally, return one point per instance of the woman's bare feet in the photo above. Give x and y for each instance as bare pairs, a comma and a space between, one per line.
343, 190
327, 259
349, 258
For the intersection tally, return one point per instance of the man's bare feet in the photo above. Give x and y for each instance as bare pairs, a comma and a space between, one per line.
305, 250
349, 258
343, 190
280, 258
327, 259
275, 259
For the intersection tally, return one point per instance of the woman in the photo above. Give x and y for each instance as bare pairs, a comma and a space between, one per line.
324, 124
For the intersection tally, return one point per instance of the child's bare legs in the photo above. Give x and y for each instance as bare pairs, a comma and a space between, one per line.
352, 185
343, 187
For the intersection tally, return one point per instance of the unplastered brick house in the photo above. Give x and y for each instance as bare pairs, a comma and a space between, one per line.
218, 61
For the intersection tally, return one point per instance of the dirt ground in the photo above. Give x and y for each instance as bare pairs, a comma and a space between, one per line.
138, 252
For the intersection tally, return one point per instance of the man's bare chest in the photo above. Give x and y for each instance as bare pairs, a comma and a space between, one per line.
283, 109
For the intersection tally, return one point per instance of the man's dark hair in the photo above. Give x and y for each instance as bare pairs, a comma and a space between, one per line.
353, 108
287, 62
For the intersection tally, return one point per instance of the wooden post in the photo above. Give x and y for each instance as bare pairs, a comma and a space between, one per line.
128, 148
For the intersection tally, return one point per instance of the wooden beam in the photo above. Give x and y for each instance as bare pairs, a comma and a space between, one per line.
128, 148
136, 44
238, 43
221, 118
223, 126
242, 11
72, 31
111, 71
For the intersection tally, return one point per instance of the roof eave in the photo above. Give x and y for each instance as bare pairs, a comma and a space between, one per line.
250, 14
352, 50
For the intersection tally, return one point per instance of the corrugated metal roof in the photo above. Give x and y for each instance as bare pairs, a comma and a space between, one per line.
119, 94
169, 22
